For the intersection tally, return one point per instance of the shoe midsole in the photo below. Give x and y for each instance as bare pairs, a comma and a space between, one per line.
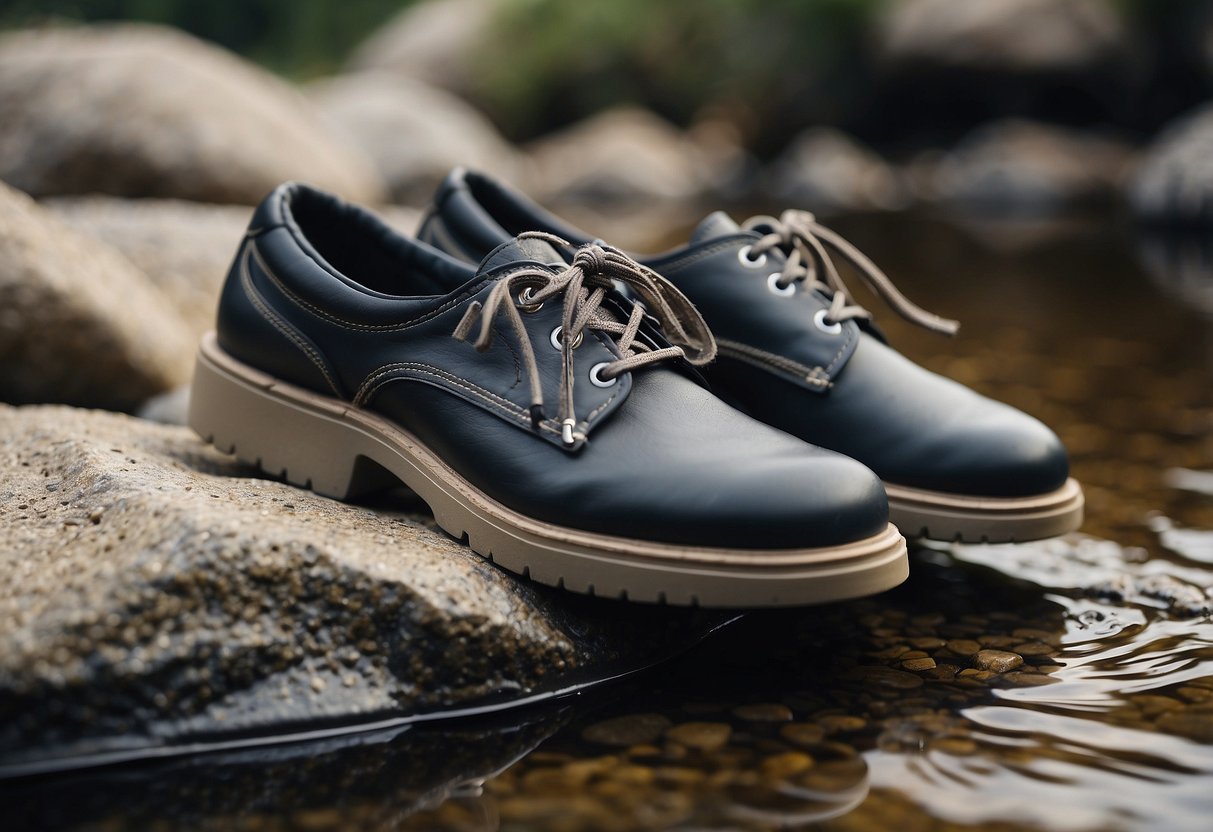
994, 519
284, 427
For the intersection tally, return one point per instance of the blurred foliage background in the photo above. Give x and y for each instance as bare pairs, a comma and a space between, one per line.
771, 67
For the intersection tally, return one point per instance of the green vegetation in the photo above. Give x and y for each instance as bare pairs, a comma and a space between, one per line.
298, 38
569, 59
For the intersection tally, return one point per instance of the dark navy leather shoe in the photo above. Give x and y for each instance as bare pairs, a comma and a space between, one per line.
558, 425
797, 353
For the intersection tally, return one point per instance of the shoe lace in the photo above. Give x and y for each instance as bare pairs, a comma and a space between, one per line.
584, 285
808, 244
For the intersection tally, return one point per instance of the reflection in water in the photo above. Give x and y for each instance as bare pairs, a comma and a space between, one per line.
1065, 684
373, 779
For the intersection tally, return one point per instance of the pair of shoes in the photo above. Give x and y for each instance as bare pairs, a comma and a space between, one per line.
548, 400
797, 353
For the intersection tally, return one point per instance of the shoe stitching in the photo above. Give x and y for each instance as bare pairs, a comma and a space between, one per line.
351, 325
406, 371
761, 358
250, 291
689, 259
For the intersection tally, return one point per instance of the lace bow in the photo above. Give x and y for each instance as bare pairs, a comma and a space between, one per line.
584, 285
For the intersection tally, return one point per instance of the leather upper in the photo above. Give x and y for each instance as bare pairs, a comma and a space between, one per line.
838, 385
324, 296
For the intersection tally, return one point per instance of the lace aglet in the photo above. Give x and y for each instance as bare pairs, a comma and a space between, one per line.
537, 416
566, 431
464, 328
946, 326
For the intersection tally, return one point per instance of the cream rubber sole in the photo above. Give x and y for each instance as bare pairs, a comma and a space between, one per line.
326, 445
955, 517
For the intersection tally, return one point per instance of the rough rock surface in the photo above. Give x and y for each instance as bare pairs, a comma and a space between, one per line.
829, 171
139, 110
1017, 166
431, 42
79, 323
414, 132
152, 591
1174, 182
1006, 35
623, 155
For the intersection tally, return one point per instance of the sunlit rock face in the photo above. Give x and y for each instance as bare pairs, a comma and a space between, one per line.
137, 110
154, 591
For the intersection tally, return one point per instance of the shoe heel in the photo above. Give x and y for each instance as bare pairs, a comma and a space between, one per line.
239, 415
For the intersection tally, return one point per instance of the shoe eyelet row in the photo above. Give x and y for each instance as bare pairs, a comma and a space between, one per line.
829, 328
776, 289
596, 378
525, 303
743, 257
558, 344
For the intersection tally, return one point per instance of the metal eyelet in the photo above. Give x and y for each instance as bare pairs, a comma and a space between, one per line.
599, 381
743, 257
828, 328
559, 344
783, 291
523, 301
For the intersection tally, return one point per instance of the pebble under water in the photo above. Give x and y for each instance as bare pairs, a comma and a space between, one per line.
1066, 684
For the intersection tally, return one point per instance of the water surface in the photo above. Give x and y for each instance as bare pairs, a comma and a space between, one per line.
886, 712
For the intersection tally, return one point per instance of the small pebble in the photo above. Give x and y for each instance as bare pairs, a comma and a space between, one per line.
633, 729
837, 723
764, 712
957, 746
919, 664
702, 736
887, 677
1034, 648
802, 733
997, 661
786, 764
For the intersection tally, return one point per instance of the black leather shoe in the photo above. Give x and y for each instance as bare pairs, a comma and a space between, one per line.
540, 413
795, 352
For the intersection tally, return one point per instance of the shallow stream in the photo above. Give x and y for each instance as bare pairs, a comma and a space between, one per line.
1095, 712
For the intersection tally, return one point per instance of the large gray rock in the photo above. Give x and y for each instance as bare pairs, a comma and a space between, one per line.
434, 41
152, 591
185, 248
627, 155
1174, 183
138, 110
79, 323
826, 170
1023, 167
414, 132
1004, 35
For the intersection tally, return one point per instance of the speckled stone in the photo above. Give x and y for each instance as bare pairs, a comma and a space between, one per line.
150, 587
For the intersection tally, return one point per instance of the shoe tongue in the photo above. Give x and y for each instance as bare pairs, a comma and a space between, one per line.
521, 249
715, 224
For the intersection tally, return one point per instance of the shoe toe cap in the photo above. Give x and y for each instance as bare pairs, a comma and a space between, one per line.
1000, 453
